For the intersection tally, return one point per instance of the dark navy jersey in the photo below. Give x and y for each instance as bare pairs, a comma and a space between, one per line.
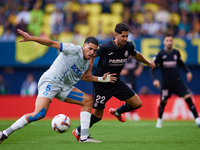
168, 63
113, 58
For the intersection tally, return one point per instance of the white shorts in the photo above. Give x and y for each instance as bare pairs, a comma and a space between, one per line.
47, 88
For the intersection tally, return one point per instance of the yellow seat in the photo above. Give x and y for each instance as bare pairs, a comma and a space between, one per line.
175, 17
46, 30
49, 8
139, 17
106, 22
93, 9
115, 19
94, 22
117, 8
83, 29
1, 30
66, 37
151, 6
73, 6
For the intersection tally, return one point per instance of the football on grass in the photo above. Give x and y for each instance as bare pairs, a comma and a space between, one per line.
61, 123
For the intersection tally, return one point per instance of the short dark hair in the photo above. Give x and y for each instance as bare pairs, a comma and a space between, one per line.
121, 27
167, 35
92, 40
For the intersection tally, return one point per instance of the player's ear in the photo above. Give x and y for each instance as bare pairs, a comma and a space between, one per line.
115, 34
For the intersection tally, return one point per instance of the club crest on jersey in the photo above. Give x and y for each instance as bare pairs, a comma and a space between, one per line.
164, 57
175, 57
126, 54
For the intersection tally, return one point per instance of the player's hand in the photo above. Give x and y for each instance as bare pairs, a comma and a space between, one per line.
26, 36
189, 76
156, 83
112, 77
152, 64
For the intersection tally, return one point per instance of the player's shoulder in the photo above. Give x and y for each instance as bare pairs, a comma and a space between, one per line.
70, 48
161, 52
130, 44
107, 44
71, 45
175, 51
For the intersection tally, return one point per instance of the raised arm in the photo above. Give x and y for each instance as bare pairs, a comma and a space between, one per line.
139, 57
43, 41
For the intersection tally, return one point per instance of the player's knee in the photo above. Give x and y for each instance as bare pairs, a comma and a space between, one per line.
88, 100
138, 105
38, 116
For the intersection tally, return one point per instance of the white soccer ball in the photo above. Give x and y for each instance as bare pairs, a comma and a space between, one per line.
61, 123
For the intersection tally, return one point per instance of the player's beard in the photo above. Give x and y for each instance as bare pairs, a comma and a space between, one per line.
169, 47
121, 43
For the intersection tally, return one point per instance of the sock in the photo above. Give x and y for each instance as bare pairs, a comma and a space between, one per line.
191, 107
20, 123
85, 122
93, 120
161, 109
124, 108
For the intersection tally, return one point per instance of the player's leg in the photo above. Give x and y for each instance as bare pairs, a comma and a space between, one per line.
131, 104
85, 101
192, 108
182, 91
41, 107
95, 117
165, 94
100, 97
132, 101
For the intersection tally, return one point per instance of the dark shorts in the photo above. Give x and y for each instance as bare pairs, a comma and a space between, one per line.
101, 94
177, 87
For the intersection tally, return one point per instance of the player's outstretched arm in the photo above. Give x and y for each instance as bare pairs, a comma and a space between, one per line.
105, 78
43, 41
139, 57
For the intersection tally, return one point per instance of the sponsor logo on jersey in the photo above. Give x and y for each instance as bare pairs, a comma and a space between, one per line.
169, 64
164, 57
117, 62
110, 53
76, 70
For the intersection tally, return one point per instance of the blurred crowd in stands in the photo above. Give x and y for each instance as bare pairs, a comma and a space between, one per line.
72, 20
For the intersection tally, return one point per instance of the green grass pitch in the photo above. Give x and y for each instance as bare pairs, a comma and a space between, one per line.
131, 135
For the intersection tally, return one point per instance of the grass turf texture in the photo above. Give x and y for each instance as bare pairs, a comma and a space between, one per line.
142, 135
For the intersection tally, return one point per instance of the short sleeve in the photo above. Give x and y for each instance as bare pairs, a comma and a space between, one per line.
68, 48
133, 50
100, 50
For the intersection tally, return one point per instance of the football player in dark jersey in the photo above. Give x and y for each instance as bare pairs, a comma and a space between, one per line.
168, 60
113, 55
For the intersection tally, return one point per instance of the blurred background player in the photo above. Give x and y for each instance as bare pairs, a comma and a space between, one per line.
59, 80
4, 89
168, 60
113, 55
132, 69
29, 86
